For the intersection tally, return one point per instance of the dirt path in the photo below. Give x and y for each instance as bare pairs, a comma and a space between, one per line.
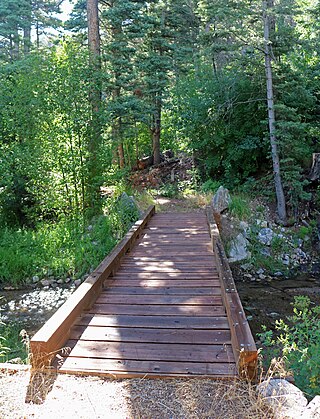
62, 396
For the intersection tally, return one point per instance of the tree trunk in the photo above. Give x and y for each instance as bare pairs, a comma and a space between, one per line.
93, 198
315, 169
27, 29
156, 130
281, 204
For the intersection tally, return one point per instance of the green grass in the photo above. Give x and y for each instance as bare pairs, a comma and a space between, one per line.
64, 248
239, 207
13, 343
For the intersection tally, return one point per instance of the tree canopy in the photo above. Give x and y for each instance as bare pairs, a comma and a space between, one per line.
190, 76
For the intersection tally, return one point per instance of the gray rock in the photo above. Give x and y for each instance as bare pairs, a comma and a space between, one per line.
278, 273
35, 279
45, 282
265, 236
273, 315
244, 226
286, 260
221, 200
262, 224
238, 250
312, 411
246, 266
286, 400
77, 282
260, 271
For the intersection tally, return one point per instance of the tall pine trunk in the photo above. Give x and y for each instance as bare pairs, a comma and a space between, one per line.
156, 130
281, 203
93, 198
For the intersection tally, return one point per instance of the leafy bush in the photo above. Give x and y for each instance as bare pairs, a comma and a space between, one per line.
210, 186
169, 190
298, 342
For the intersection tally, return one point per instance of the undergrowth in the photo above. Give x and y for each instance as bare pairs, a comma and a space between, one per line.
14, 343
64, 248
297, 341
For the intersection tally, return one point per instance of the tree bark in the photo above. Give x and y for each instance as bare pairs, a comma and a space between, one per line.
315, 169
156, 131
93, 198
281, 203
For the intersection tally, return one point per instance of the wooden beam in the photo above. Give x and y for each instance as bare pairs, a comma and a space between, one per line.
243, 344
55, 332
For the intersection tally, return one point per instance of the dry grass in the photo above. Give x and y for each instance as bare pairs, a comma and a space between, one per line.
45, 395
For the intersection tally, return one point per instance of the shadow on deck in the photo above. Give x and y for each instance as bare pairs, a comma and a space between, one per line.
162, 304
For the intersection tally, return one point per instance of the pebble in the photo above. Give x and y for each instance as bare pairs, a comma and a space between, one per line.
45, 282
273, 315
33, 307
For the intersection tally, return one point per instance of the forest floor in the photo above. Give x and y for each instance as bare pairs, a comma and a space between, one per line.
50, 396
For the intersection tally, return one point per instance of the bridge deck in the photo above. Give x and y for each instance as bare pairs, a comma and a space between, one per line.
162, 313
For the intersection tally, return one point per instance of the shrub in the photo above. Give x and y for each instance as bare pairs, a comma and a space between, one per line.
298, 342
210, 186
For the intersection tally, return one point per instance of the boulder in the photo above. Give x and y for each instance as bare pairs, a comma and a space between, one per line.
221, 200
312, 411
286, 400
239, 249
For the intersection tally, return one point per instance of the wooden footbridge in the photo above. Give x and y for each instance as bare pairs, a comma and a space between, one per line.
162, 304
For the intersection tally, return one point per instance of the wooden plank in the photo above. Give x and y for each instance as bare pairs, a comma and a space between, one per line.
160, 310
167, 300
166, 269
175, 258
164, 322
151, 369
243, 344
158, 283
142, 291
55, 332
167, 275
151, 335
169, 263
150, 351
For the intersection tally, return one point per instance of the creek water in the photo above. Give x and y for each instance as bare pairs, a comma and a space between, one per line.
264, 303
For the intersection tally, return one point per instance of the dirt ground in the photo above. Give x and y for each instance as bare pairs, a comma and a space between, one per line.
47, 396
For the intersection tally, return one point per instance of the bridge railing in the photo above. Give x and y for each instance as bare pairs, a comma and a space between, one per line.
243, 344
49, 340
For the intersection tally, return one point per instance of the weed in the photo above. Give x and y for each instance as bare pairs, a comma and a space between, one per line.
298, 342
13, 343
239, 207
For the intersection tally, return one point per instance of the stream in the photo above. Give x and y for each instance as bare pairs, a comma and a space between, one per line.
264, 303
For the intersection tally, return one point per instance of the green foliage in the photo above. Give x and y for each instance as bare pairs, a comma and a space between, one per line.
68, 247
210, 186
239, 207
169, 190
298, 341
14, 343
268, 258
